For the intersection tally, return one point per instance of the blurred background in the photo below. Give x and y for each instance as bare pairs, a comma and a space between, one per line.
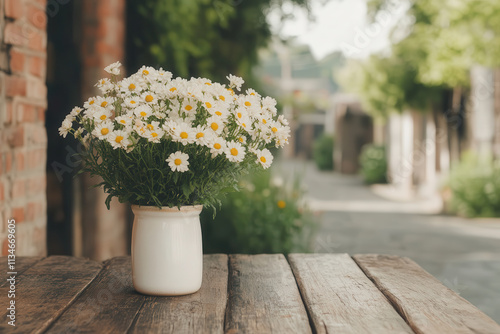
394, 108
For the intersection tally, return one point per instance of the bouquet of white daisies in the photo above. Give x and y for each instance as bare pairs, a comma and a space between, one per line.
160, 141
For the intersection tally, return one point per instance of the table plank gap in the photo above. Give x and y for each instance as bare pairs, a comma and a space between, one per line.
263, 296
340, 298
426, 304
200, 312
46, 289
108, 305
22, 264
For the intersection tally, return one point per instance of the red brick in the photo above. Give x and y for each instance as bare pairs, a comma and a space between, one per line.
2, 191
36, 185
19, 161
36, 159
40, 114
18, 188
36, 88
30, 211
18, 214
15, 86
26, 113
7, 158
38, 135
14, 8
38, 66
37, 41
8, 116
15, 136
5, 247
17, 60
14, 34
37, 17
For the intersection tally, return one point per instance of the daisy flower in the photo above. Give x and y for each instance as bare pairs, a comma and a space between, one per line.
202, 135
65, 127
131, 102
184, 134
143, 111
154, 135
217, 146
264, 158
113, 68
75, 111
123, 120
215, 124
101, 114
89, 103
235, 152
178, 162
149, 97
103, 130
105, 85
235, 82
129, 86
118, 139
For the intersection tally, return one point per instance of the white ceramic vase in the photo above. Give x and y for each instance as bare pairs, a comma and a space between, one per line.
167, 254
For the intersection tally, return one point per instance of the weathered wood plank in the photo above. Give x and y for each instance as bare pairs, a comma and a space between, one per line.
108, 305
426, 304
340, 298
45, 290
263, 296
200, 312
21, 265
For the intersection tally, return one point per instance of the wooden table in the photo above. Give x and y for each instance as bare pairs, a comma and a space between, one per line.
301, 293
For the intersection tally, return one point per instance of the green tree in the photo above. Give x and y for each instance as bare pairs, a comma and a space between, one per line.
209, 38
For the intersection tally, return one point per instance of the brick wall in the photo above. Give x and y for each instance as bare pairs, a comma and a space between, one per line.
23, 139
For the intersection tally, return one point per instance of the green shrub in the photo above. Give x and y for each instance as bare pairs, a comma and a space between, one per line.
323, 152
264, 217
373, 164
475, 187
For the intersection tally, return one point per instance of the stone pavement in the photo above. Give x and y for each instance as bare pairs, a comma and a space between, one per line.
464, 254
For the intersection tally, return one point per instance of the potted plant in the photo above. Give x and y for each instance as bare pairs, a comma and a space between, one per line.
168, 146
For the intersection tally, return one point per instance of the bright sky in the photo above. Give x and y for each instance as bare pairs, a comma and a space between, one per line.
340, 25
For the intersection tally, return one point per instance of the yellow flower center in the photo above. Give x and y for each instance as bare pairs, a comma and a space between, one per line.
200, 135
149, 98
208, 104
218, 113
91, 102
143, 113
132, 102
118, 139
103, 82
103, 117
104, 131
281, 204
208, 83
248, 104
150, 127
104, 104
243, 125
177, 162
184, 135
217, 146
221, 97
263, 159
214, 126
145, 72
264, 121
173, 89
230, 90
154, 134
122, 121
131, 86
188, 107
252, 93
241, 139
234, 151
274, 129
239, 115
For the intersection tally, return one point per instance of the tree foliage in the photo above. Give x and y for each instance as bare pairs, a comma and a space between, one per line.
199, 37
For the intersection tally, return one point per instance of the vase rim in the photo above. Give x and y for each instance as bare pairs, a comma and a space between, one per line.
184, 208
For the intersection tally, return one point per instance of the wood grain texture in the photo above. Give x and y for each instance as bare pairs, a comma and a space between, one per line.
426, 304
21, 265
263, 296
108, 305
340, 298
200, 312
44, 290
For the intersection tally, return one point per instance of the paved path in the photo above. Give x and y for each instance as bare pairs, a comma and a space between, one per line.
464, 254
